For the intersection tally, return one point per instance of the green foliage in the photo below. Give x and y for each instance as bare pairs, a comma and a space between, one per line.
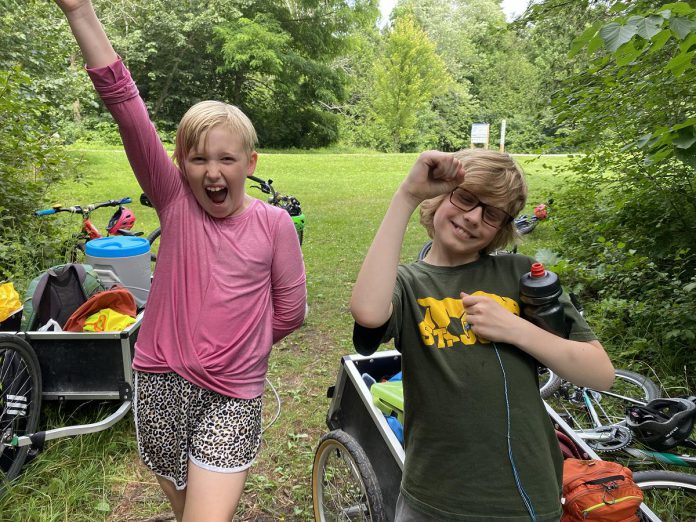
271, 59
32, 36
646, 55
31, 160
631, 265
629, 230
408, 75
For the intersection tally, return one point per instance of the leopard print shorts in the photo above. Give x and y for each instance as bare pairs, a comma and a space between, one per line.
177, 421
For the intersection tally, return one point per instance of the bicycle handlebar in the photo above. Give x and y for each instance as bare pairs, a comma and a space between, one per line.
264, 186
77, 209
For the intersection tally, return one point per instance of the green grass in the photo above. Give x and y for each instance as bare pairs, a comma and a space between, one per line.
98, 477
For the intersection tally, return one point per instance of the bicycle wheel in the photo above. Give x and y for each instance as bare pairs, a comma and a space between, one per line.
669, 494
344, 485
153, 239
577, 405
549, 382
20, 400
424, 251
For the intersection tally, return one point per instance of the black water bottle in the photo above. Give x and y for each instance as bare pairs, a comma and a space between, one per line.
539, 293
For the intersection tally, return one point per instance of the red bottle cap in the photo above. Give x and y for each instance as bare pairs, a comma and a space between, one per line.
538, 270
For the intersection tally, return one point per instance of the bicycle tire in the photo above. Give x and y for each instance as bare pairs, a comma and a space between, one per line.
671, 495
20, 400
650, 389
424, 251
353, 481
549, 382
151, 238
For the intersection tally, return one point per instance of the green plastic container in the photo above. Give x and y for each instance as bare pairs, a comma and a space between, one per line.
389, 398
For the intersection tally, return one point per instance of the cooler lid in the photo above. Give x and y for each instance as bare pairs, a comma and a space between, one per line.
117, 246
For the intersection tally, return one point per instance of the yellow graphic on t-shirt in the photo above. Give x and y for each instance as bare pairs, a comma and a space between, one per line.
444, 320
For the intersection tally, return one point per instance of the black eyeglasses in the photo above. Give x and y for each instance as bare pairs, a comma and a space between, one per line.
466, 201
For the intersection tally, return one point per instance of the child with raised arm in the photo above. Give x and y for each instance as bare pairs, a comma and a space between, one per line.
479, 444
230, 282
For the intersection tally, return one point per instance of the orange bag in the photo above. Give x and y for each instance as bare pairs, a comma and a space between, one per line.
118, 299
599, 490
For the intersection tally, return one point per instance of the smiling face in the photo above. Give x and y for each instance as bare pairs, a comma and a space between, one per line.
216, 169
459, 236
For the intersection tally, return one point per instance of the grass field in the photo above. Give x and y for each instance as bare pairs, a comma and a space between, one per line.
344, 196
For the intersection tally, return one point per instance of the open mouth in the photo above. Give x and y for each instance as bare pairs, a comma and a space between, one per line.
216, 194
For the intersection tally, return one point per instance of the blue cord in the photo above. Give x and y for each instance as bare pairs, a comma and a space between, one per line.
525, 498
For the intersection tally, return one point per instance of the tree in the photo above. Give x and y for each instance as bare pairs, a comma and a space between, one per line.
494, 77
31, 160
630, 229
408, 74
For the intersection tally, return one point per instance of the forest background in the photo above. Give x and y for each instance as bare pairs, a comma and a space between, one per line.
609, 81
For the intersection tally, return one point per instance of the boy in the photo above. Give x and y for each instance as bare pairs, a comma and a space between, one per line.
479, 445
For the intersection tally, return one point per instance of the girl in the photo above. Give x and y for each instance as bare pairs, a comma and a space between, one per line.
222, 296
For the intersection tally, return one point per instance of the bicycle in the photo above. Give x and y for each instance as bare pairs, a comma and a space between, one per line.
599, 418
289, 203
667, 495
525, 223
120, 223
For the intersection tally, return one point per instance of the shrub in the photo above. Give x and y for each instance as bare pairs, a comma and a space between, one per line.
31, 160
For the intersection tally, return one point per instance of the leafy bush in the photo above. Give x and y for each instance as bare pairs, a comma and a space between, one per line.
639, 286
31, 160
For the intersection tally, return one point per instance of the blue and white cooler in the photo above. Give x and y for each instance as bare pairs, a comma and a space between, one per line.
124, 260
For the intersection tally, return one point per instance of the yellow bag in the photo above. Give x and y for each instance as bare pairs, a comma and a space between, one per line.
9, 301
107, 320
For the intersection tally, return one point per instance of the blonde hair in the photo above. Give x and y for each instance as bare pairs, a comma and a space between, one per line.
205, 115
493, 176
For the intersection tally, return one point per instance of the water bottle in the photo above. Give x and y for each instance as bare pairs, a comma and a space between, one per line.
539, 293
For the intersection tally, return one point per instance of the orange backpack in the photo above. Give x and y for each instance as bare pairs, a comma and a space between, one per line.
599, 490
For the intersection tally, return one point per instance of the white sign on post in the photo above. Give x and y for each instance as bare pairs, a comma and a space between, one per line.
480, 133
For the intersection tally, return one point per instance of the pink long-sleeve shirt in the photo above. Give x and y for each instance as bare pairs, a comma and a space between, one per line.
225, 289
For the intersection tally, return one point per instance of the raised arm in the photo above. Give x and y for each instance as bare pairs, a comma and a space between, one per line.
151, 164
88, 31
434, 173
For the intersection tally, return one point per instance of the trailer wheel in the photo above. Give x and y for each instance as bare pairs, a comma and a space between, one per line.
344, 485
20, 403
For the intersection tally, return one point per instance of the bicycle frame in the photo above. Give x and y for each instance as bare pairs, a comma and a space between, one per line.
640, 455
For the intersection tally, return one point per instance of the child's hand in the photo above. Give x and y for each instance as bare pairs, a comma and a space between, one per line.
489, 319
434, 173
71, 5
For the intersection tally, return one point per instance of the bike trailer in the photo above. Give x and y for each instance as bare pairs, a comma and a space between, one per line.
85, 365
357, 415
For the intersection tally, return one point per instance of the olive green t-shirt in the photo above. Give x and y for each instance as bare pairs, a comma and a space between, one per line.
457, 464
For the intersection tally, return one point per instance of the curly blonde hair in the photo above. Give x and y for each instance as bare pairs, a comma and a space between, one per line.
493, 176
205, 115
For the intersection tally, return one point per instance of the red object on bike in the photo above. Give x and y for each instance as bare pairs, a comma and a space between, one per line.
123, 218
540, 212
